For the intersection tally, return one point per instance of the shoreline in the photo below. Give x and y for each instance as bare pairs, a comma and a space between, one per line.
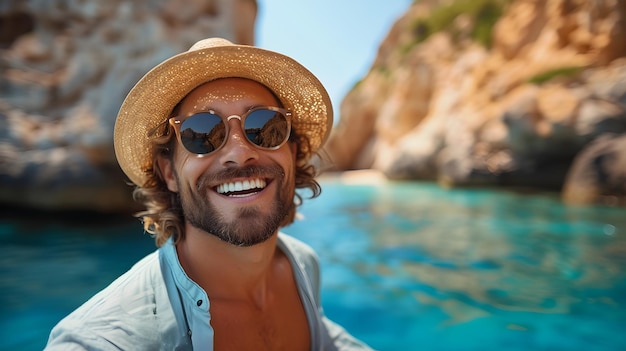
354, 177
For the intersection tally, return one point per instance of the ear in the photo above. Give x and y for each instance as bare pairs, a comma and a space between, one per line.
166, 168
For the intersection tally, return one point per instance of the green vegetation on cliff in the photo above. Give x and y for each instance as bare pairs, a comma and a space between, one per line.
566, 72
482, 15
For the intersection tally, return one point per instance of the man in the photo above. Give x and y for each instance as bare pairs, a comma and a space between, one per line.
217, 139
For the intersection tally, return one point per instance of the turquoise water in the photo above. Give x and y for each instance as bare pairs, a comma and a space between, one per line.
406, 266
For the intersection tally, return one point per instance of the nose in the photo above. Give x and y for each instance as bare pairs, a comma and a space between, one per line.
237, 150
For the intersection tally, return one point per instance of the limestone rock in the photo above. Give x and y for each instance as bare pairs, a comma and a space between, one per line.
598, 174
66, 67
515, 110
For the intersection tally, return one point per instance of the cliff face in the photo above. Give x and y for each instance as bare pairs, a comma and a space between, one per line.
66, 67
496, 92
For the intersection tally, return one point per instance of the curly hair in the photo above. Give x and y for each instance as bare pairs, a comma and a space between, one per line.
163, 217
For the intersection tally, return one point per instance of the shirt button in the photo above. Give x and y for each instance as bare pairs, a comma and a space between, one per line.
199, 303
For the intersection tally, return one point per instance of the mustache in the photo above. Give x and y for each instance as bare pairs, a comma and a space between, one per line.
250, 171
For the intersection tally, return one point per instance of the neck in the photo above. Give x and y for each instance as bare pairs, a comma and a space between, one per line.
226, 271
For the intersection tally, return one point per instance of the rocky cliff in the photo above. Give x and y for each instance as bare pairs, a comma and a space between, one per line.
65, 67
523, 93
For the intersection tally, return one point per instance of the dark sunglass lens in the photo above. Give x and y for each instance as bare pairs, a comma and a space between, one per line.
202, 133
266, 128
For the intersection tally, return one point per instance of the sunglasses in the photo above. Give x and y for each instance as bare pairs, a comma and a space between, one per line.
203, 133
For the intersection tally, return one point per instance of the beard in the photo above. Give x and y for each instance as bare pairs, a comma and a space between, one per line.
251, 226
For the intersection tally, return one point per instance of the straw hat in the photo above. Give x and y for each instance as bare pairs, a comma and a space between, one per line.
152, 99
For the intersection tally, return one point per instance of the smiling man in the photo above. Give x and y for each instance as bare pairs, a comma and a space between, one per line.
217, 139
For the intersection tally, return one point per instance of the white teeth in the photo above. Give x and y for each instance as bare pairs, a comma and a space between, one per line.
241, 186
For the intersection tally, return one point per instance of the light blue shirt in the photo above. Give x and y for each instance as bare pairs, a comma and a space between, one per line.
156, 306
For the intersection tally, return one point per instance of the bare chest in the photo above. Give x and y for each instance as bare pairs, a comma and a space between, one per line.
281, 326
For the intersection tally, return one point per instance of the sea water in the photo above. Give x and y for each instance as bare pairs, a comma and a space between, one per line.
405, 266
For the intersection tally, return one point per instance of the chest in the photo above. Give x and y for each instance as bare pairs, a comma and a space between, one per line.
280, 326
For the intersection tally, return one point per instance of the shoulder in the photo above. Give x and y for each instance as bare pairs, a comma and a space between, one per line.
126, 312
305, 257
135, 285
296, 246
302, 253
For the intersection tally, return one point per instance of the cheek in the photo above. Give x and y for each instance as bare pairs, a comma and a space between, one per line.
288, 162
192, 171
293, 158
291, 151
286, 157
189, 168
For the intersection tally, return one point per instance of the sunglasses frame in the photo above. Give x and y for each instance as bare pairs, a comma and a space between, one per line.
176, 123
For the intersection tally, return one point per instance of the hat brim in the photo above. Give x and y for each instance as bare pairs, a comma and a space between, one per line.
153, 98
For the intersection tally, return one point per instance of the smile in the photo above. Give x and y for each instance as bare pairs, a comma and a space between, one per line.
242, 187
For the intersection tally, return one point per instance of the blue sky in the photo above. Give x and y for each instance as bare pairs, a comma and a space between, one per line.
336, 39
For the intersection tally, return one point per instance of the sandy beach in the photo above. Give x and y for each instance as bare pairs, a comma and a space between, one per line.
355, 177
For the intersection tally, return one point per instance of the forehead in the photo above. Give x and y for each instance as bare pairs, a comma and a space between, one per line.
227, 92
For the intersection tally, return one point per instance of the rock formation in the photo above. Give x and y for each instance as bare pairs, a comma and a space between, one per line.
495, 92
65, 68
465, 92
